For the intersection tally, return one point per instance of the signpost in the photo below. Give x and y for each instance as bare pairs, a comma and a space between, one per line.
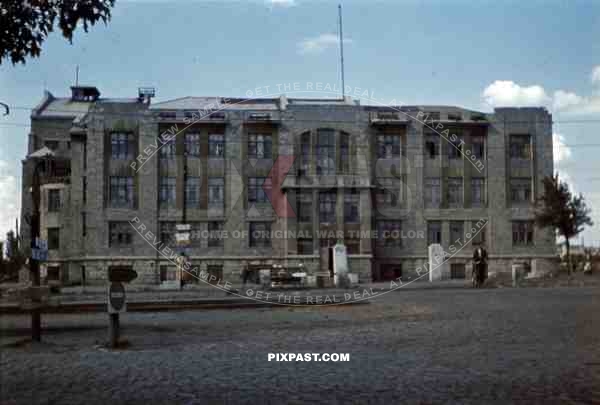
117, 302
182, 237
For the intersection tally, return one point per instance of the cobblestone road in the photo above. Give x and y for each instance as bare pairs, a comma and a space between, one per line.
520, 346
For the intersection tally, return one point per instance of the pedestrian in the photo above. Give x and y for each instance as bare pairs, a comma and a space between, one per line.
479, 266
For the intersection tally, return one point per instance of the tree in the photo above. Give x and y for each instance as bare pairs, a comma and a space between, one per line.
565, 213
10, 266
26, 24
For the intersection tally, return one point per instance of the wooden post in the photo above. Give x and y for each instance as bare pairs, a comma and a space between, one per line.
113, 330
34, 265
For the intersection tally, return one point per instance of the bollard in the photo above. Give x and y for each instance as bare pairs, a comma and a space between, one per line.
113, 330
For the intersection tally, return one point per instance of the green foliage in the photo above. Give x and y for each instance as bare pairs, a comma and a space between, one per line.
9, 267
26, 24
559, 209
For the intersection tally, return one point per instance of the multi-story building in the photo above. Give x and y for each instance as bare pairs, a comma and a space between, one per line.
263, 181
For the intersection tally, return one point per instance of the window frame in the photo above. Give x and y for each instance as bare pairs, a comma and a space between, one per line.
192, 144
216, 146
123, 232
327, 199
167, 191
261, 242
524, 234
121, 191
257, 141
434, 226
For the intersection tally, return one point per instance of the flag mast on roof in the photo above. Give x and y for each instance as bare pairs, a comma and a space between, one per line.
342, 51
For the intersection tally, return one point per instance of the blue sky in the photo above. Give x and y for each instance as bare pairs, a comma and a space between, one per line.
475, 54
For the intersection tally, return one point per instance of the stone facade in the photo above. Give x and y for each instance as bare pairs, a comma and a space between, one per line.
386, 180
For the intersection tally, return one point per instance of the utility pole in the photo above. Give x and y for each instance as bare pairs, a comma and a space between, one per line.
34, 264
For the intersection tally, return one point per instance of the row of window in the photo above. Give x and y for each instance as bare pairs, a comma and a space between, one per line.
389, 234
522, 233
388, 194
327, 207
454, 192
455, 148
260, 146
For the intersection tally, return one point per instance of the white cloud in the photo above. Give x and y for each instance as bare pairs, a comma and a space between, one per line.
9, 200
596, 76
564, 100
280, 3
561, 151
506, 93
320, 43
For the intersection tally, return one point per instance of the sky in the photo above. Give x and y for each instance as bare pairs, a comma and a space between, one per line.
474, 54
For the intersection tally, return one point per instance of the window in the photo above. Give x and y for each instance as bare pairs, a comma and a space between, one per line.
120, 234
522, 233
432, 115
432, 146
434, 232
216, 145
52, 145
192, 191
167, 150
53, 200
457, 271
256, 192
520, 147
168, 273
215, 270
121, 192
327, 201
260, 234
84, 189
455, 148
304, 154
477, 191
215, 234
432, 192
83, 224
351, 207
259, 146
305, 246
192, 144
520, 190
389, 233
479, 236
352, 246
53, 273
389, 192
120, 145
167, 232
326, 242
216, 187
325, 152
455, 192
304, 203
53, 238
478, 146
167, 191
388, 146
344, 153
457, 232
390, 272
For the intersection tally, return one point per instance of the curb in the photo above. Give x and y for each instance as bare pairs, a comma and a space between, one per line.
155, 306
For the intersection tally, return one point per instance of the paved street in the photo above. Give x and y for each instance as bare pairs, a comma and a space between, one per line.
453, 346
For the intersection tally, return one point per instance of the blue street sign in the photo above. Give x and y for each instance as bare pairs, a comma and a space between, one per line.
39, 254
